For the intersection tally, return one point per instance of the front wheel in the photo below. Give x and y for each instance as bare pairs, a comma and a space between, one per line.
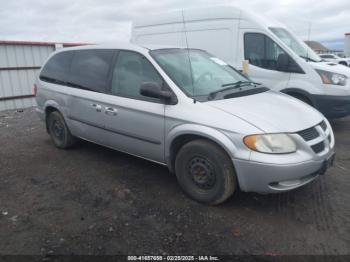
205, 172
59, 132
302, 98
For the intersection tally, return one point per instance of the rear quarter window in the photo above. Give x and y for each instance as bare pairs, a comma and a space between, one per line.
56, 70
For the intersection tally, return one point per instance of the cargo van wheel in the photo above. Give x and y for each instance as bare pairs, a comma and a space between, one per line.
59, 132
205, 172
302, 98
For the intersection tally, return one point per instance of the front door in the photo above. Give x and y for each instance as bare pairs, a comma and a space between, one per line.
136, 122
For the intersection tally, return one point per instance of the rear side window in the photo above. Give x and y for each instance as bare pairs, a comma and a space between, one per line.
261, 51
56, 70
90, 69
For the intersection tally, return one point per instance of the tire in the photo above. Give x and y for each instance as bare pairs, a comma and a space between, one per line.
59, 132
205, 172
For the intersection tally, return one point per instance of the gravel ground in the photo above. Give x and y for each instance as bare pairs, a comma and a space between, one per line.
93, 200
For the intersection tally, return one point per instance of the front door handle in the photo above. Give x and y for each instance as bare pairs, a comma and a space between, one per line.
97, 107
111, 111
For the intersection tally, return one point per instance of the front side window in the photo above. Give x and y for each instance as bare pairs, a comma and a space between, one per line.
261, 51
56, 70
130, 72
198, 73
90, 69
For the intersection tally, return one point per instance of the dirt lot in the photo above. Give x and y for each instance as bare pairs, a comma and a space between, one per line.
92, 200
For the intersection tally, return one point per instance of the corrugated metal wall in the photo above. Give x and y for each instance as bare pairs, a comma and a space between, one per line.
19, 65
20, 62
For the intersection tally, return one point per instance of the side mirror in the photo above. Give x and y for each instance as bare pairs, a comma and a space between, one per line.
283, 62
151, 89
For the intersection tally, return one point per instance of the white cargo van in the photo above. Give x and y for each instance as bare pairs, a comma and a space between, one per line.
278, 59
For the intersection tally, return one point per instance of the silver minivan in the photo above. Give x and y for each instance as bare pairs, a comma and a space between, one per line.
183, 108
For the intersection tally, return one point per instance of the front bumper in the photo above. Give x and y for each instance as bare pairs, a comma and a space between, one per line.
273, 178
333, 106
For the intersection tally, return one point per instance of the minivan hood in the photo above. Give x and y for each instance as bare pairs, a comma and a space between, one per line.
272, 112
332, 67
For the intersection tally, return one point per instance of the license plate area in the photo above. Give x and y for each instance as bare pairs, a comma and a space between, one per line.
327, 164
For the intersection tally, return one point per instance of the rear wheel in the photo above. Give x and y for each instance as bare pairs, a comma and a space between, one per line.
59, 132
205, 172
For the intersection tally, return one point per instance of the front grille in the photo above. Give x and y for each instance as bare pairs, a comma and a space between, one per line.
316, 132
318, 148
323, 125
309, 134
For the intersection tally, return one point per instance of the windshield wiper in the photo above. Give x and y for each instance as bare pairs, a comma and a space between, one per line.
230, 86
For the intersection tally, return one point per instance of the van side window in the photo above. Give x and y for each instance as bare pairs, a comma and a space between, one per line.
56, 70
90, 69
131, 70
261, 51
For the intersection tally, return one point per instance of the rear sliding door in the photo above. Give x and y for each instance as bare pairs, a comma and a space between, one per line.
89, 81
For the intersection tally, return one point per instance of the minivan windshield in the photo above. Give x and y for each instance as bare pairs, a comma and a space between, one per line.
293, 43
199, 74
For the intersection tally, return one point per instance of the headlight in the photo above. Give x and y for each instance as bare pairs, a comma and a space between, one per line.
330, 78
270, 143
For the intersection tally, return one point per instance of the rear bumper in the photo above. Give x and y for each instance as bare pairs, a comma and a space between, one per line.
333, 106
273, 178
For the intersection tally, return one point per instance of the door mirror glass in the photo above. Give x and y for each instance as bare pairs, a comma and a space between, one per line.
154, 90
283, 62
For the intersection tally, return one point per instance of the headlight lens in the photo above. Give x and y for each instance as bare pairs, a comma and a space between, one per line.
271, 143
330, 78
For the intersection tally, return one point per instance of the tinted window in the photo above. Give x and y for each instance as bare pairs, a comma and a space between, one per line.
57, 68
90, 69
261, 51
131, 70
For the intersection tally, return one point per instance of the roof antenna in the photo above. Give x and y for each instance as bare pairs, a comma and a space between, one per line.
188, 53
308, 39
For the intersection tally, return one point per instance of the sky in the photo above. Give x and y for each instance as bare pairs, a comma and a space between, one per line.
102, 21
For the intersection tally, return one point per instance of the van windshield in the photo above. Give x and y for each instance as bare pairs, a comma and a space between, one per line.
301, 49
199, 74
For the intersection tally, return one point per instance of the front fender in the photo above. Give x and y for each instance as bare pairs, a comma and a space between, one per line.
298, 91
203, 131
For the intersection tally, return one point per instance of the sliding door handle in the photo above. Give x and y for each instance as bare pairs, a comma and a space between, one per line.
111, 111
97, 107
